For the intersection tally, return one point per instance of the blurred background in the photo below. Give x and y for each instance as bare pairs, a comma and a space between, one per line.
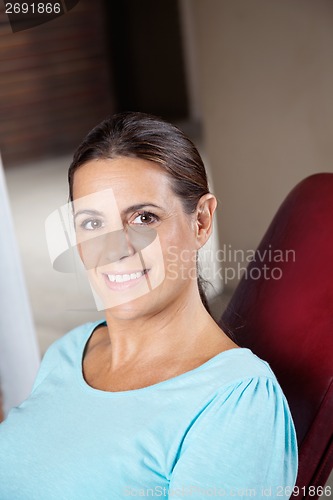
250, 81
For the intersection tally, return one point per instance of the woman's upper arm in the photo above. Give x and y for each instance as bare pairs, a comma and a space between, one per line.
244, 440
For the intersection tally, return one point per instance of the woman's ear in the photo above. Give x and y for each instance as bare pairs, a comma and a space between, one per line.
204, 218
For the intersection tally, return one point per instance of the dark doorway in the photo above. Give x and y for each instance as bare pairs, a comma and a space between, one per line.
146, 57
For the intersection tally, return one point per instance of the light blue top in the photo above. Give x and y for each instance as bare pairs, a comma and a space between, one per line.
222, 429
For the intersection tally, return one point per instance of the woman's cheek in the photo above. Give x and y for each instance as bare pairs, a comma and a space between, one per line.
153, 259
181, 263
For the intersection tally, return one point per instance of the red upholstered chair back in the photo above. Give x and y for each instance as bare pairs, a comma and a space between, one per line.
283, 310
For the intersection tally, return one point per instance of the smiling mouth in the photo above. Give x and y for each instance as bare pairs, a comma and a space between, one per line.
122, 278
118, 282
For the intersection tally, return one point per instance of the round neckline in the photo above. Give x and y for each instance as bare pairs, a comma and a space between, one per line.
84, 384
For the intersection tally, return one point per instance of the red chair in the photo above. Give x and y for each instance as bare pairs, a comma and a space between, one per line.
284, 313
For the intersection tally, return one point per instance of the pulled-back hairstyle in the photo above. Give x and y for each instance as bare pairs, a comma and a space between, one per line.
139, 135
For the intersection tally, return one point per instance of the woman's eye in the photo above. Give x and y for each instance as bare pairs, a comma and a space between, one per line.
91, 224
145, 218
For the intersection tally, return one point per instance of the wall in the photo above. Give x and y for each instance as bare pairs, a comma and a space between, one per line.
266, 80
54, 83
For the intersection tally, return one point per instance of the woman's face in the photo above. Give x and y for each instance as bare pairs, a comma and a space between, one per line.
135, 240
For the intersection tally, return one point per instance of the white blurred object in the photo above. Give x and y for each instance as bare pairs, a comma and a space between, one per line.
19, 353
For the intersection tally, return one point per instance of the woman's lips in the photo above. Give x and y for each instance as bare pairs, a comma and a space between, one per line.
123, 281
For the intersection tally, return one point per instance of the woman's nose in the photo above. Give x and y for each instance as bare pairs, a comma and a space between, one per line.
115, 245
105, 249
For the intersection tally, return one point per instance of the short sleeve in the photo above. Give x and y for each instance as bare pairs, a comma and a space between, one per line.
243, 443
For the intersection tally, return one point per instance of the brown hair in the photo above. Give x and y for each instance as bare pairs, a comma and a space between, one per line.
139, 135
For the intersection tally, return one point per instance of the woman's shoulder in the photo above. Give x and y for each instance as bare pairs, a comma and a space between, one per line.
74, 337
232, 378
242, 385
236, 365
237, 379
246, 415
66, 347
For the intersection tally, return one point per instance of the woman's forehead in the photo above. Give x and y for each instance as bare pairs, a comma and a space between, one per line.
125, 176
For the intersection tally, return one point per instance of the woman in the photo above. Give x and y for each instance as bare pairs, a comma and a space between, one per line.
156, 400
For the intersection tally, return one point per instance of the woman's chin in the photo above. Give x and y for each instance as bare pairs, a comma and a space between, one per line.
131, 309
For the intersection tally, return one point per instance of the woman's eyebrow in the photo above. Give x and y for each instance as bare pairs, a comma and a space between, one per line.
88, 211
139, 206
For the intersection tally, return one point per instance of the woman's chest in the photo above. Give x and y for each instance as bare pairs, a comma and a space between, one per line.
74, 448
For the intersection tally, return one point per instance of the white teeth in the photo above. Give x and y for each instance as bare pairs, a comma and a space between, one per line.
121, 278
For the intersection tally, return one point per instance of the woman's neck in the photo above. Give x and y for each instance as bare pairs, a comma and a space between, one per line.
181, 326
